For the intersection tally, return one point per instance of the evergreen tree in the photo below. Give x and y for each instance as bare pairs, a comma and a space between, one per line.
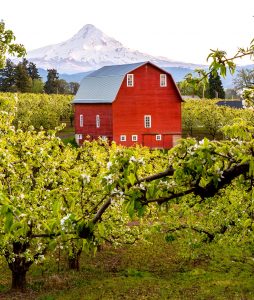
215, 88
51, 85
25, 63
23, 80
8, 77
33, 71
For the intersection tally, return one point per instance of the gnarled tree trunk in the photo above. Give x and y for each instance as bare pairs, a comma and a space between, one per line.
18, 281
18, 265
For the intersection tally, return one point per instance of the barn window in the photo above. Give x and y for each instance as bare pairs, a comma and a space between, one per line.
123, 138
79, 136
81, 120
134, 138
148, 121
98, 121
130, 80
158, 137
163, 80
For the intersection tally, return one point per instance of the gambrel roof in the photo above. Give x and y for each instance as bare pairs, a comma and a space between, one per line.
102, 86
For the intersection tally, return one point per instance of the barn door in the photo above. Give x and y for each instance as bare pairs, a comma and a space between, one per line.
150, 140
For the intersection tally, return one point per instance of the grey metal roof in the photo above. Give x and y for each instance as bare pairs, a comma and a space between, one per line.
116, 70
102, 86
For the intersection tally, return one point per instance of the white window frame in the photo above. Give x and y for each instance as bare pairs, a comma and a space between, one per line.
163, 80
98, 121
148, 121
122, 138
130, 80
81, 120
158, 137
134, 137
79, 136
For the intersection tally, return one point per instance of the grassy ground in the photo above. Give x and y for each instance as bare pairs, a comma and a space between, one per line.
142, 271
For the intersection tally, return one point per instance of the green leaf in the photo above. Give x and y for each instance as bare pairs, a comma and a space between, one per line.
247, 223
132, 178
101, 229
8, 221
56, 207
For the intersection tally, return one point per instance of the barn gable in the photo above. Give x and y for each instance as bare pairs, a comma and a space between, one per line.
102, 86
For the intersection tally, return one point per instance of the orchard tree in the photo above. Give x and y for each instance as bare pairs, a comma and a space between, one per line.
51, 192
190, 116
7, 45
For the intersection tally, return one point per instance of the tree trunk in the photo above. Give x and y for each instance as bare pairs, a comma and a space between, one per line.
74, 260
19, 281
18, 266
73, 263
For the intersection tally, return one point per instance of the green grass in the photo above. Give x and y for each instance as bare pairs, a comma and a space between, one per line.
142, 271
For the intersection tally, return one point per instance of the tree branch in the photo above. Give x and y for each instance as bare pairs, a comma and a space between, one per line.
211, 189
101, 211
167, 172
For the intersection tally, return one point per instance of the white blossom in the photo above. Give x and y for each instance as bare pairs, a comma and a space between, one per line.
132, 159
63, 220
85, 177
109, 178
109, 165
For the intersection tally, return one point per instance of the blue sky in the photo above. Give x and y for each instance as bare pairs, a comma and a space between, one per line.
182, 30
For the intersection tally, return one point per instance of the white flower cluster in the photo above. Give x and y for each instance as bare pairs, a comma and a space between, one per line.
63, 220
236, 141
109, 178
85, 177
109, 165
117, 192
137, 160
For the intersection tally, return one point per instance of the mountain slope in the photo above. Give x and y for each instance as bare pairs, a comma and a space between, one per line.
90, 49
178, 74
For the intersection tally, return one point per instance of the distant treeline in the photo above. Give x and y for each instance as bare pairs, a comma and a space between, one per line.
24, 78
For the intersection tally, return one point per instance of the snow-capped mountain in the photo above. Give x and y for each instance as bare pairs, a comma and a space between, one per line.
90, 49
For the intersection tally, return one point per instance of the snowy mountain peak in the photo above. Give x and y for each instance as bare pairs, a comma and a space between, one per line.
90, 36
90, 49
87, 31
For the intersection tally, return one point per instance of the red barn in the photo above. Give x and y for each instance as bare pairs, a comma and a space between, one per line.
129, 104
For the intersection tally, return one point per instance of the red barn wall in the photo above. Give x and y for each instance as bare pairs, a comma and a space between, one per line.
89, 111
147, 98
